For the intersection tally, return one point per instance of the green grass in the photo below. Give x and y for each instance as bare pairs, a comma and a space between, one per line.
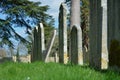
52, 71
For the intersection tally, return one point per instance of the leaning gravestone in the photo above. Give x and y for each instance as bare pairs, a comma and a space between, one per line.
50, 47
63, 54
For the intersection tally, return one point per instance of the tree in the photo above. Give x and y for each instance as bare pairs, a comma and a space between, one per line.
85, 21
21, 13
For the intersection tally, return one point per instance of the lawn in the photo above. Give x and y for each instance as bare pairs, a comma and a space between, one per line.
52, 71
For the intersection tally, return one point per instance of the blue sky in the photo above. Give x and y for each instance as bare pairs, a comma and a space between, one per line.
53, 11
54, 8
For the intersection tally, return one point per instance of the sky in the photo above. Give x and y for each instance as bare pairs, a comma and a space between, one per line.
54, 8
53, 11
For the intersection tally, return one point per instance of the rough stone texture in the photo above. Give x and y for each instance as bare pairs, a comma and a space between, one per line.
95, 53
76, 48
98, 34
104, 51
113, 28
117, 20
76, 52
113, 20
63, 54
50, 47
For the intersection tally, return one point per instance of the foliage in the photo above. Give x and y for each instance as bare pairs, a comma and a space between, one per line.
21, 13
30, 44
52, 71
85, 21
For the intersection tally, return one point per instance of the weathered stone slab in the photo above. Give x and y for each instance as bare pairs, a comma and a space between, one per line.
42, 41
63, 54
76, 46
113, 31
76, 53
34, 53
38, 43
98, 34
104, 51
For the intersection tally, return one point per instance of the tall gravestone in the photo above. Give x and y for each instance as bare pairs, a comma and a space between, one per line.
113, 20
113, 30
34, 53
38, 43
41, 43
63, 54
42, 40
76, 48
98, 34
104, 61
76, 52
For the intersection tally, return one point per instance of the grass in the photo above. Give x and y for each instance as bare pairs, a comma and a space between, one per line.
52, 71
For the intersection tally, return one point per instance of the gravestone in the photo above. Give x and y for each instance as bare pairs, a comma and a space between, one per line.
38, 43
76, 53
41, 44
76, 48
63, 54
113, 31
35, 48
113, 20
104, 61
98, 34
